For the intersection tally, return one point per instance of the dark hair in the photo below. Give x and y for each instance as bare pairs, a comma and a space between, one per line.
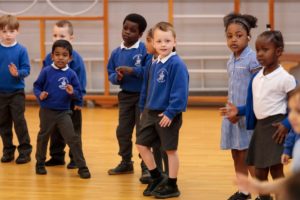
246, 21
273, 36
64, 44
292, 186
65, 23
10, 21
139, 19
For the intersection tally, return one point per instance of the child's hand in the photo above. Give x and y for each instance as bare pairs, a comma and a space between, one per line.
43, 95
285, 159
69, 89
165, 121
230, 111
120, 75
13, 70
280, 133
234, 119
124, 70
77, 107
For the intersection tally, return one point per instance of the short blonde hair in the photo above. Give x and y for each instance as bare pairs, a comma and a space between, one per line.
9, 21
65, 23
165, 26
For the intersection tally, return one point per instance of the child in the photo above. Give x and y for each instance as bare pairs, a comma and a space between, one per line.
278, 186
63, 30
162, 117
158, 154
55, 88
125, 68
13, 69
240, 67
266, 107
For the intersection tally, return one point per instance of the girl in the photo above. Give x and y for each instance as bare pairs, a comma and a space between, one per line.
266, 108
241, 65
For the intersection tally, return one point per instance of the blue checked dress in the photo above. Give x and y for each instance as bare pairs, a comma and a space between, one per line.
235, 136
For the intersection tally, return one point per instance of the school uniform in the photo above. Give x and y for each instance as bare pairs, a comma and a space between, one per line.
12, 99
57, 143
236, 136
55, 111
165, 90
266, 105
128, 97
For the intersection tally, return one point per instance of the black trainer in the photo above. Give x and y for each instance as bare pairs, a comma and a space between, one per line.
154, 184
72, 165
166, 191
239, 196
125, 167
40, 169
54, 162
84, 173
22, 159
7, 157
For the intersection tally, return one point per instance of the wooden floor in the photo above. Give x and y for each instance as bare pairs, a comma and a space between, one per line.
205, 172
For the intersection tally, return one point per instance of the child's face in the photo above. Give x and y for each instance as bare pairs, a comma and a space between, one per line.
149, 46
61, 33
130, 33
294, 114
61, 57
266, 52
237, 38
8, 37
163, 42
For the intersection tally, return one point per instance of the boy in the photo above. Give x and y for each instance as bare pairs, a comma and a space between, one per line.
14, 68
125, 68
63, 30
55, 88
163, 98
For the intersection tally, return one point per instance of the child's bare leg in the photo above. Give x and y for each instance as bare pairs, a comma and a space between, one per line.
147, 156
173, 163
262, 174
239, 160
277, 171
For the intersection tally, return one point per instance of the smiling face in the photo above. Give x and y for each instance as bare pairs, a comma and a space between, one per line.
267, 53
237, 38
163, 42
61, 57
130, 33
8, 36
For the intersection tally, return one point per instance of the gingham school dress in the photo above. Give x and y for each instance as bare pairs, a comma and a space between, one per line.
235, 136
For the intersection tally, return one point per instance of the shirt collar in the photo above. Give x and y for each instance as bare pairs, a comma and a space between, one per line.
271, 75
135, 46
11, 45
165, 59
63, 69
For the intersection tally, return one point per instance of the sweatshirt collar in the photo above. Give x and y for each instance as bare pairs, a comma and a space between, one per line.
165, 59
11, 45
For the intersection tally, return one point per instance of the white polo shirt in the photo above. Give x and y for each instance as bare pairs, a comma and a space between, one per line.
270, 92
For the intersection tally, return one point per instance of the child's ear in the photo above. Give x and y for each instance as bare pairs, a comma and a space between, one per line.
70, 58
279, 51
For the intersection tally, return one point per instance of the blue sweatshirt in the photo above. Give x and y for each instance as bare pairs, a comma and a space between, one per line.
53, 81
76, 65
247, 110
134, 57
168, 86
289, 142
17, 55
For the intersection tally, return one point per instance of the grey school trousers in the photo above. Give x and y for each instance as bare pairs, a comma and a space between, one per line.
50, 120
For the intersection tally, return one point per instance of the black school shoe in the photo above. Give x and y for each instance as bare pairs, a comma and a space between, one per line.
40, 169
22, 159
125, 167
264, 198
166, 191
84, 173
154, 184
239, 196
54, 162
8, 157
72, 165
